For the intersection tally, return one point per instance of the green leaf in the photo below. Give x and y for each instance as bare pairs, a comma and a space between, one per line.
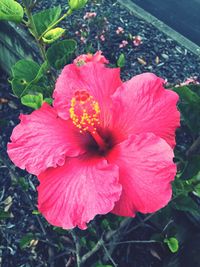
121, 61
187, 204
192, 167
11, 10
161, 217
60, 230
172, 244
23, 183
186, 94
105, 224
32, 101
189, 106
26, 74
48, 100
32, 89
195, 88
23, 72
181, 187
53, 35
25, 240
44, 19
4, 215
43, 69
197, 189
60, 53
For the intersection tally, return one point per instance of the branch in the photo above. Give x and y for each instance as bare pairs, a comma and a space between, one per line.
141, 223
32, 26
94, 250
109, 256
76, 242
107, 238
195, 147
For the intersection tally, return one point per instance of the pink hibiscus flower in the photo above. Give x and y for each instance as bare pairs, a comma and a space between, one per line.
104, 146
85, 58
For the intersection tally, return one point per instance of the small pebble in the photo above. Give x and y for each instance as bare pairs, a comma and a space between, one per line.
12, 105
179, 50
161, 64
157, 60
165, 56
141, 61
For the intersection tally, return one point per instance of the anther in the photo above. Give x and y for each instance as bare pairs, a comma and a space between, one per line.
84, 111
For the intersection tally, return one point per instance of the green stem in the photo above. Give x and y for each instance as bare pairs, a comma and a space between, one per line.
94, 250
69, 12
77, 246
31, 25
25, 22
195, 147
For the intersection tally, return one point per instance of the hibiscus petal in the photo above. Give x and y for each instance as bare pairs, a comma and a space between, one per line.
85, 58
99, 81
143, 105
43, 140
73, 194
146, 169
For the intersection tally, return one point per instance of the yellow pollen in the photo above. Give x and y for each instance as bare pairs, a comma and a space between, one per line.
84, 112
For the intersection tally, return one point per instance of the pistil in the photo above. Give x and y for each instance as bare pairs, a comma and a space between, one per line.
99, 140
84, 112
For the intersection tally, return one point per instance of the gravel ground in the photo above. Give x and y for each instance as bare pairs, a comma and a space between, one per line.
157, 53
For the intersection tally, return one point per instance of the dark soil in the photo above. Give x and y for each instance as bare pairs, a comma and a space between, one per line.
50, 246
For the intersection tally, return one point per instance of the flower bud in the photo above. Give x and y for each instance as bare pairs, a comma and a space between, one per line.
52, 35
77, 4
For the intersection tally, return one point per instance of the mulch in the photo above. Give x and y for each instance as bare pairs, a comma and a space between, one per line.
18, 197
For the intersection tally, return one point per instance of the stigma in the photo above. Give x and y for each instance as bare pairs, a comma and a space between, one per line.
84, 112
